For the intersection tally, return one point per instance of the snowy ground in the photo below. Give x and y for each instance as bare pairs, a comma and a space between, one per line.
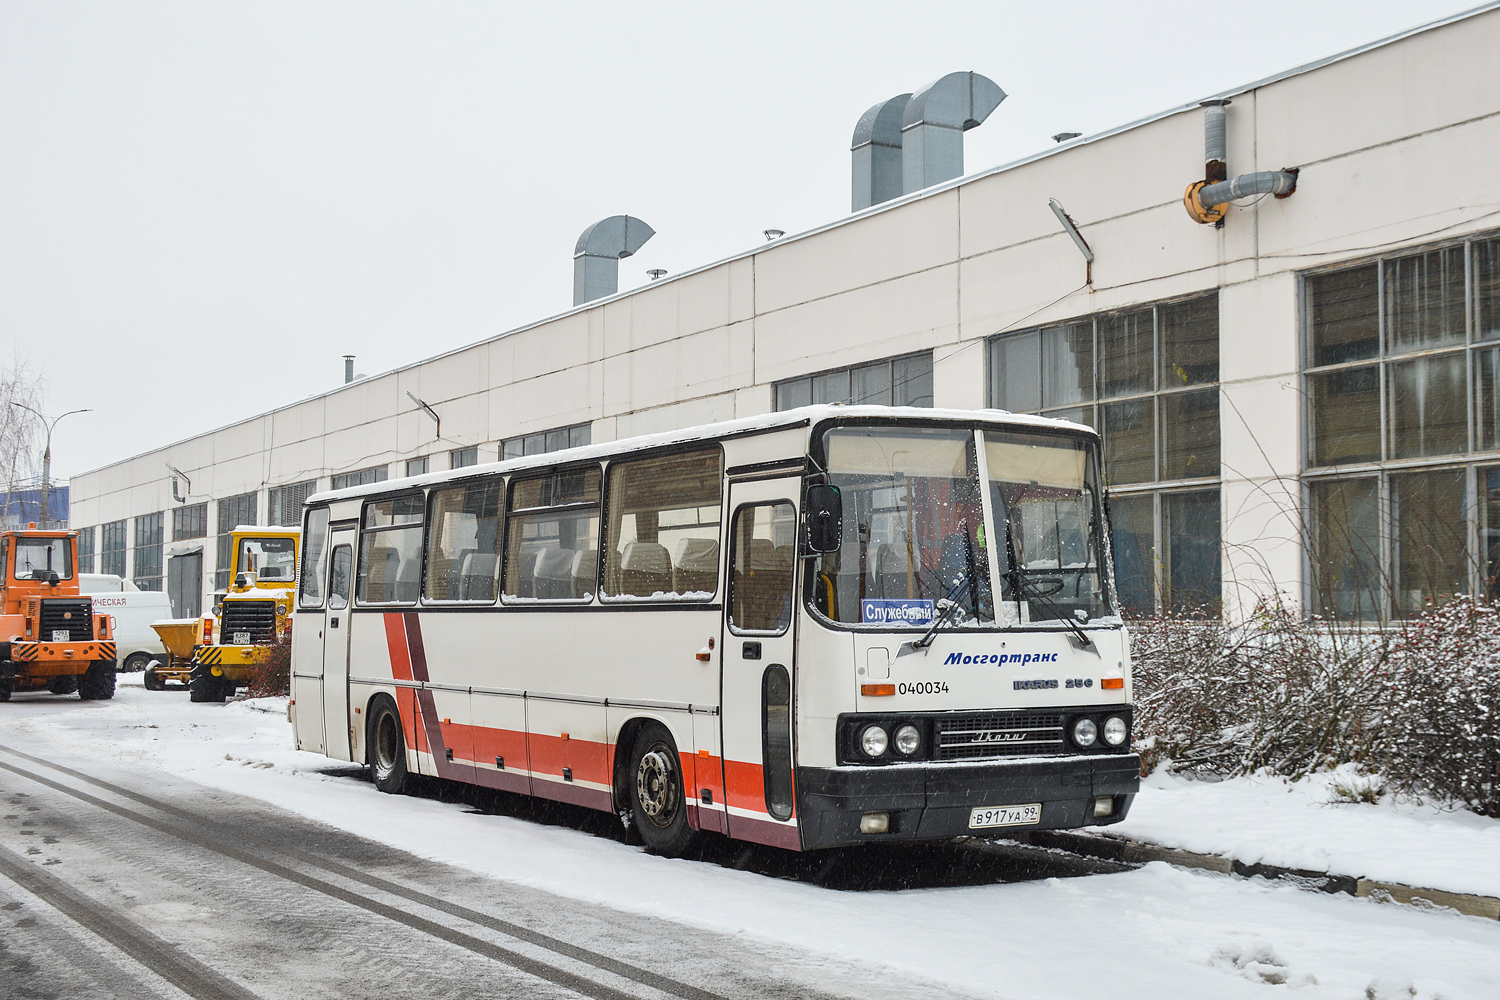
1269, 820
1157, 932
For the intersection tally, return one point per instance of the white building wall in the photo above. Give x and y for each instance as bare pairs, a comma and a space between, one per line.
1395, 146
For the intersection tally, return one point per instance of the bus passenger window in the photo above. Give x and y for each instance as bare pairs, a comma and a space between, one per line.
552, 548
390, 552
663, 537
314, 541
463, 542
765, 537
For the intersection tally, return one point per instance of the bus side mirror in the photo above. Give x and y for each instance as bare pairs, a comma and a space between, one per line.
825, 518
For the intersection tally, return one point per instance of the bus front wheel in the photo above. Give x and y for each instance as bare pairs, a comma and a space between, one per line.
386, 747
657, 805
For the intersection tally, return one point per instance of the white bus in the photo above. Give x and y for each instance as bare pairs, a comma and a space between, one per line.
792, 629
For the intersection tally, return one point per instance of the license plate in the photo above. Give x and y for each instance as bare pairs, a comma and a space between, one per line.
991, 816
241, 639
61, 635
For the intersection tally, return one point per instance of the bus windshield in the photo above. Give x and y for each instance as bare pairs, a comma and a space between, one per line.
39, 558
914, 550
1044, 501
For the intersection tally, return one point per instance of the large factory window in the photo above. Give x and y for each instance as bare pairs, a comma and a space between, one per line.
284, 503
85, 550
556, 439
903, 381
189, 522
112, 548
233, 511
1399, 502
1147, 378
363, 477
148, 543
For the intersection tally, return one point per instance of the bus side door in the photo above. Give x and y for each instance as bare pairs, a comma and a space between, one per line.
336, 645
758, 668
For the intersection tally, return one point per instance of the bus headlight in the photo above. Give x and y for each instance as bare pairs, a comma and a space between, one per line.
1115, 730
873, 741
1085, 733
907, 740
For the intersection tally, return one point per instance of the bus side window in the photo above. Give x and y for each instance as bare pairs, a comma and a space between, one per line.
761, 576
663, 535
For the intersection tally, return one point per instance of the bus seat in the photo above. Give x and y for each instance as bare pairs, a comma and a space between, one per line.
477, 577
525, 583
554, 574
891, 577
585, 568
697, 567
408, 580
645, 568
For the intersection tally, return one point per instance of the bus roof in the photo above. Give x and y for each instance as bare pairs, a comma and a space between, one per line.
802, 416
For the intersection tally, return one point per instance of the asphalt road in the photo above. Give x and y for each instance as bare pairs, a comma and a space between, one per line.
114, 885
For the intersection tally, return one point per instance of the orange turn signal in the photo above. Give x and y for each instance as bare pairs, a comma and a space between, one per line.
1112, 683
877, 690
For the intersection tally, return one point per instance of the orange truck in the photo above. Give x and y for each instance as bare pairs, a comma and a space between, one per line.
55, 640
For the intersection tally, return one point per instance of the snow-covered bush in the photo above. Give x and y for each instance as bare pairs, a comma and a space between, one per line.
1418, 701
1442, 731
273, 675
1275, 691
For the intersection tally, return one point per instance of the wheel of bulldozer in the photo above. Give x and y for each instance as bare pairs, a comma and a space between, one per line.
204, 686
66, 684
4, 690
98, 683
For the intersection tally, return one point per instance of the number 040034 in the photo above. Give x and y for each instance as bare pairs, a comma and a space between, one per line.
991, 816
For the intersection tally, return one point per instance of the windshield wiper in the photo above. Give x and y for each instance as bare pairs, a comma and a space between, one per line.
1022, 586
947, 607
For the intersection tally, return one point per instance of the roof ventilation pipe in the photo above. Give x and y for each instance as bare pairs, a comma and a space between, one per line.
933, 127
1208, 200
601, 247
876, 150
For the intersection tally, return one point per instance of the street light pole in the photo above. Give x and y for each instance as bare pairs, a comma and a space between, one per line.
47, 457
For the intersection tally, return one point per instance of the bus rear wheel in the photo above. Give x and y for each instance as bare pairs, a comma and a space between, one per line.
385, 746
657, 805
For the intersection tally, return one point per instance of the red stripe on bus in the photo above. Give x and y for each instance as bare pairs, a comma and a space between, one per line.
406, 702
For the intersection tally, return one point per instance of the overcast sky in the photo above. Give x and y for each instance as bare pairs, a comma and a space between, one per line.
204, 205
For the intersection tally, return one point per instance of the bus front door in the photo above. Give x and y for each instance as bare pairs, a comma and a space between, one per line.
336, 721
758, 668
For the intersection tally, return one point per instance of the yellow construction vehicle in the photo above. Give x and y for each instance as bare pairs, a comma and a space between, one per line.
254, 617
55, 641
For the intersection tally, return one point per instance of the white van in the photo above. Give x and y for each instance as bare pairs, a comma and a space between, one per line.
134, 610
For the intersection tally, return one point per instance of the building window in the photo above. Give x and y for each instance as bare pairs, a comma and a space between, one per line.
284, 503
364, 477
903, 381
233, 512
148, 541
189, 522
1147, 379
462, 458
112, 548
85, 550
556, 439
416, 466
1400, 364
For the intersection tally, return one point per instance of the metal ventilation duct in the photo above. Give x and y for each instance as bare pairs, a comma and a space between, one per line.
876, 150
933, 127
596, 258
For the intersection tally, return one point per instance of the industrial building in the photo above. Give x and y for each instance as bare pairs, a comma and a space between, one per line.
1298, 398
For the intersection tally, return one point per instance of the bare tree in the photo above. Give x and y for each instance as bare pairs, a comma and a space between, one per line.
20, 450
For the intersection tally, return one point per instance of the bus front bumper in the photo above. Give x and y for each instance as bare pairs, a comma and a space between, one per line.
936, 801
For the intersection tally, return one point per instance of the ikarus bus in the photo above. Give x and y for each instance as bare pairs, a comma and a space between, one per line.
828, 626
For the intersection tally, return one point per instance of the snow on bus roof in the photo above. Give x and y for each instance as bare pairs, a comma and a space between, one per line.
784, 419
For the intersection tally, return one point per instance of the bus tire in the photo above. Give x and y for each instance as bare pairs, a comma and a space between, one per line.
152, 681
385, 747
657, 805
204, 686
98, 683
